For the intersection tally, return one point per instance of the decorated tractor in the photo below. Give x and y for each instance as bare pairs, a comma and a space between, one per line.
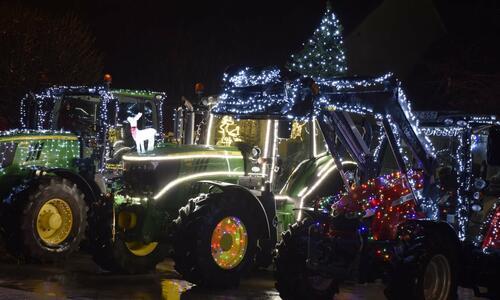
54, 178
157, 185
222, 233
421, 213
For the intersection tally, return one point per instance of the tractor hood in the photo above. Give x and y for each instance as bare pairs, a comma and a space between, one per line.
13, 136
23, 150
171, 167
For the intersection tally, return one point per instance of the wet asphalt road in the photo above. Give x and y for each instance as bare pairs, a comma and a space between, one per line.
80, 278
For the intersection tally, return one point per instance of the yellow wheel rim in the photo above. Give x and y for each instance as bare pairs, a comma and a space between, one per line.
54, 221
229, 243
141, 249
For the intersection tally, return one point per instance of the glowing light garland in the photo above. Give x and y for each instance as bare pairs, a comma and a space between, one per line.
388, 198
180, 180
245, 78
306, 192
490, 230
229, 131
38, 149
224, 155
323, 54
229, 242
271, 96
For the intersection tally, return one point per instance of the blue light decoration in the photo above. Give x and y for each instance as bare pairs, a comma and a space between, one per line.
47, 99
253, 91
272, 93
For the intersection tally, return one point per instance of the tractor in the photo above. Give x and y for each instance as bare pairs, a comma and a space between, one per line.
214, 151
61, 166
404, 214
421, 213
221, 234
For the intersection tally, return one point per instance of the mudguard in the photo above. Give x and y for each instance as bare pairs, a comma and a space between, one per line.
245, 194
90, 189
414, 226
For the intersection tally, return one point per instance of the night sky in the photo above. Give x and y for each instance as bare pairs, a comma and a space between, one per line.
171, 45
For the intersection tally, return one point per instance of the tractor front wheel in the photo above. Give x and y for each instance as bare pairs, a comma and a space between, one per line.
215, 240
293, 279
112, 253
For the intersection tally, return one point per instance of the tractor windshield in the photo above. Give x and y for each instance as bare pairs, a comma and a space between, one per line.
447, 148
226, 131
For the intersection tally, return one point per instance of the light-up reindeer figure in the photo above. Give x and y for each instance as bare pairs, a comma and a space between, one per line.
141, 135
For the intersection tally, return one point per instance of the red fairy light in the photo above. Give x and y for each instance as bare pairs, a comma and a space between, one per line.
389, 196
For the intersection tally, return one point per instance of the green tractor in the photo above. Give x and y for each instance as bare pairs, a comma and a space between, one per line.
54, 177
217, 153
254, 157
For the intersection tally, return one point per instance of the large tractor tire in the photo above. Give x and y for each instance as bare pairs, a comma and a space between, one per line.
293, 280
215, 240
50, 223
112, 253
427, 269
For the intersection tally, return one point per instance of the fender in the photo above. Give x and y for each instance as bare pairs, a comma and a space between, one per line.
445, 229
90, 189
263, 225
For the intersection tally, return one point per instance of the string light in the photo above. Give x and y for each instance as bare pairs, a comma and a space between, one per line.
180, 180
34, 149
323, 54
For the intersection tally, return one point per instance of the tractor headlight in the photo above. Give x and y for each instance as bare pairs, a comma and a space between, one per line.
256, 152
479, 184
476, 207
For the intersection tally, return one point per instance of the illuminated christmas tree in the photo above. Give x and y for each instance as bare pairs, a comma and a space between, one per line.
323, 54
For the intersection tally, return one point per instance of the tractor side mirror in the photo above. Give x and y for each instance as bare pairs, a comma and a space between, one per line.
284, 129
493, 151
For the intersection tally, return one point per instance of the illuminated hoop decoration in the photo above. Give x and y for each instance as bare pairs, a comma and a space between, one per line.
229, 243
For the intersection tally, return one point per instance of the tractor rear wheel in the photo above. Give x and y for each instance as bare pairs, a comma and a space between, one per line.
293, 280
51, 222
215, 240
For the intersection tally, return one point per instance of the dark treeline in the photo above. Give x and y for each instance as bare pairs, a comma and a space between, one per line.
170, 46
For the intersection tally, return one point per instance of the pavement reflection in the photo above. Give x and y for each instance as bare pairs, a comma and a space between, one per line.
80, 278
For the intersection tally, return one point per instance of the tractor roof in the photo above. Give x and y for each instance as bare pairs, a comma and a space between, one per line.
141, 94
23, 134
99, 92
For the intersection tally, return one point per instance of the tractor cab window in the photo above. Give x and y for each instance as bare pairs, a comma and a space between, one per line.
79, 115
227, 131
305, 141
480, 167
446, 143
131, 107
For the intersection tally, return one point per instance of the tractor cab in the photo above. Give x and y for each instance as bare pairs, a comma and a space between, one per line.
466, 153
97, 115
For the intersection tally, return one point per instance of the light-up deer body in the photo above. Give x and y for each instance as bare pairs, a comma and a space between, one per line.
141, 135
